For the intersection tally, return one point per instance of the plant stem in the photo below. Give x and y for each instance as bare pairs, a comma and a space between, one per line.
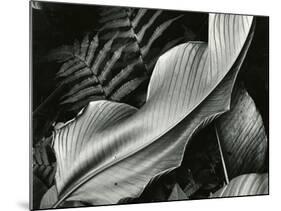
222, 158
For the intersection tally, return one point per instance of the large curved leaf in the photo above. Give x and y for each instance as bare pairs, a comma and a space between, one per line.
111, 151
245, 185
242, 135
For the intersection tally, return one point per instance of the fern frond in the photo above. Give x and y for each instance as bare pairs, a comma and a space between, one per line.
121, 76
138, 17
109, 11
157, 33
109, 64
85, 67
94, 90
84, 63
133, 47
76, 76
44, 163
77, 66
167, 47
92, 49
61, 54
122, 34
145, 27
76, 47
80, 86
84, 47
67, 65
127, 88
102, 54
119, 23
89, 76
139, 26
112, 16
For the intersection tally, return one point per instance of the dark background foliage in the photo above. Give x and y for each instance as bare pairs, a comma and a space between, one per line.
55, 24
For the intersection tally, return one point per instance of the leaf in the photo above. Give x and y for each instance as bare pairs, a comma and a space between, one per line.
156, 34
44, 162
60, 54
88, 75
93, 77
49, 198
135, 42
201, 165
244, 185
112, 151
38, 190
177, 193
242, 135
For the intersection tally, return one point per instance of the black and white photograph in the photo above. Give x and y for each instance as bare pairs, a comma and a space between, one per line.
137, 105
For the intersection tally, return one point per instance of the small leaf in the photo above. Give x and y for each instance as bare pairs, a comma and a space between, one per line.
60, 54
44, 162
127, 88
116, 24
49, 198
244, 185
102, 54
139, 15
156, 34
177, 193
147, 25
113, 16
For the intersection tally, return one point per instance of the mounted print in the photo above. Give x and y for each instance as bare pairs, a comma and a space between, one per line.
135, 105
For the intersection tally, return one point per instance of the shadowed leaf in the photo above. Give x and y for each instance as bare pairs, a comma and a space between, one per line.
177, 193
242, 135
245, 185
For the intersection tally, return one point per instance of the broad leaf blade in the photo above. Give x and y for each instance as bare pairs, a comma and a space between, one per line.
112, 151
242, 136
49, 198
245, 185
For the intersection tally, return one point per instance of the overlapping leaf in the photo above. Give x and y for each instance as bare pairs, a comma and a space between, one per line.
177, 193
245, 185
112, 151
38, 190
91, 78
242, 136
44, 166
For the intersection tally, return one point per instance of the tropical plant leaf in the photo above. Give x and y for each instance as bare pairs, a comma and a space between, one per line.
134, 27
60, 54
244, 185
49, 197
112, 150
242, 135
44, 163
177, 193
